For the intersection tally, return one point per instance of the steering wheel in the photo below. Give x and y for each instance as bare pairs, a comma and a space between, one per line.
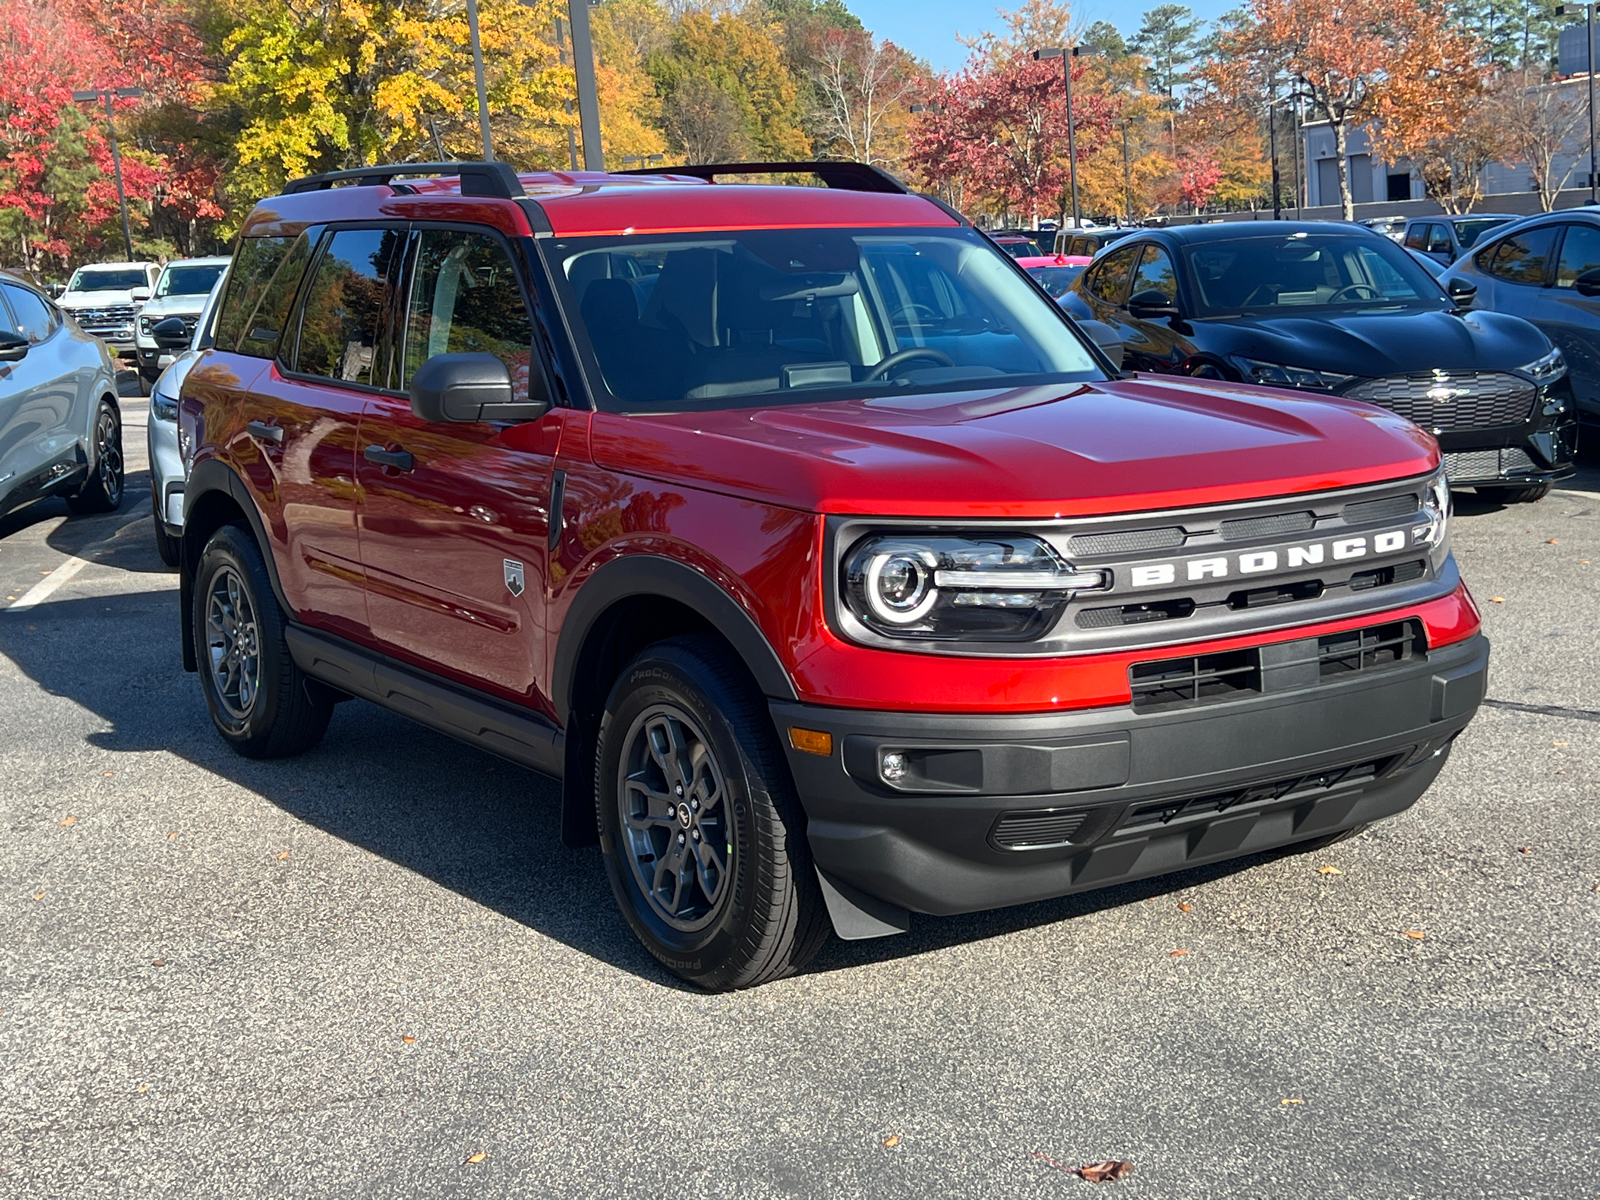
1372, 293
923, 312
900, 357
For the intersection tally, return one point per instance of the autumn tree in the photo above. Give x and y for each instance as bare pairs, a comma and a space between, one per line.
863, 88
1536, 123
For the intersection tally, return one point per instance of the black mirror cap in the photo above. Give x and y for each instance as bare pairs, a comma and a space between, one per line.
469, 387
1587, 284
170, 334
1106, 338
1150, 304
13, 346
1461, 290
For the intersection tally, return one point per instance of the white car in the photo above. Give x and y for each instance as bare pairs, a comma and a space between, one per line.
181, 291
105, 299
168, 471
60, 429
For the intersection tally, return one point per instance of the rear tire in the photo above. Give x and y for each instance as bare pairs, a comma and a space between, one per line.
703, 839
262, 704
102, 493
1501, 494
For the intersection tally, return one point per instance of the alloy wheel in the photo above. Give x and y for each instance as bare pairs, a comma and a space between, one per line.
676, 829
108, 454
233, 642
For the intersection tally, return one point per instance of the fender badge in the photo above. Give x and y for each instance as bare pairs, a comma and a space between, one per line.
514, 577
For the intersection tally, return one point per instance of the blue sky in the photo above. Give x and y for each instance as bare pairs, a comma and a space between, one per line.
929, 27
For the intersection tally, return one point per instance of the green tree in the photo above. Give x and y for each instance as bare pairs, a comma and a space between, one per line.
1169, 37
1102, 39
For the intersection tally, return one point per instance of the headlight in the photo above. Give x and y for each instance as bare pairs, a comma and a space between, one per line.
1436, 507
1547, 369
1000, 588
163, 408
1282, 375
144, 326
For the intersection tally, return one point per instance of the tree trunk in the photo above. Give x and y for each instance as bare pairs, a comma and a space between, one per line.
1340, 144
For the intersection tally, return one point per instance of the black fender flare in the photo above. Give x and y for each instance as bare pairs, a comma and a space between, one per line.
655, 575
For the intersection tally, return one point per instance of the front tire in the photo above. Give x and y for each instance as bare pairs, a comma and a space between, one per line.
103, 491
166, 546
702, 837
1515, 495
262, 704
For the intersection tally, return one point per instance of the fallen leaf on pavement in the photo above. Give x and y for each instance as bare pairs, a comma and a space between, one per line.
1330, 869
1292, 1100
108, 772
172, 835
1185, 907
1104, 1172
38, 896
474, 1159
1558, 743
1415, 935
407, 1038
892, 1140
65, 821
1583, 562
159, 962
1178, 953
1497, 599
1524, 849
142, 1088
1551, 542
283, 855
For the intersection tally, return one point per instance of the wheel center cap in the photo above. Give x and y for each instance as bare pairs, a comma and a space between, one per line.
684, 816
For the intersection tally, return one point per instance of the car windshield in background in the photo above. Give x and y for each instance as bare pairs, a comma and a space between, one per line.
1055, 280
125, 280
708, 320
1307, 270
188, 281
1468, 232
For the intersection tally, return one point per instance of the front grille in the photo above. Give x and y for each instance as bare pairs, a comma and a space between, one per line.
113, 319
1462, 466
1168, 811
1390, 508
1037, 829
1233, 674
1452, 402
1131, 542
1278, 525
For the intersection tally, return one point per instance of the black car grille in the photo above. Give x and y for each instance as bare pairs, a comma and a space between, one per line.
1235, 674
1462, 466
1451, 403
1037, 829
1168, 811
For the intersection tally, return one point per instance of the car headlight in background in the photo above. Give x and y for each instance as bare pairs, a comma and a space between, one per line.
1283, 375
144, 326
1547, 369
163, 408
940, 587
1436, 507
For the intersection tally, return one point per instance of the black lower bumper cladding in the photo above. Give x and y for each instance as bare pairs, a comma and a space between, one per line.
979, 812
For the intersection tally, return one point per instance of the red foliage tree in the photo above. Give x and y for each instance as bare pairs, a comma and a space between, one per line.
1199, 176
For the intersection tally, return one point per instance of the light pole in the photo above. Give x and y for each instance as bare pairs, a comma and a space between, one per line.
594, 158
1127, 176
1272, 141
107, 94
1066, 55
1588, 16
477, 77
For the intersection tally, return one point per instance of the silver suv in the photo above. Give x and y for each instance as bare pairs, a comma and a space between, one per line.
180, 292
60, 429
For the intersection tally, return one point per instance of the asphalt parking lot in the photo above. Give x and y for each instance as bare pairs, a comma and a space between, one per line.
374, 970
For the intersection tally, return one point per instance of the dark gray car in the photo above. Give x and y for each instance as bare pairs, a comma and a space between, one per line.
1547, 271
1445, 239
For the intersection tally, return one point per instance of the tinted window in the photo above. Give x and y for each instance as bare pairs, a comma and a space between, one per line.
1155, 274
1416, 236
114, 279
188, 281
1055, 280
266, 272
1439, 239
1522, 257
1468, 232
1109, 278
346, 311
1269, 272
34, 319
1580, 253
464, 299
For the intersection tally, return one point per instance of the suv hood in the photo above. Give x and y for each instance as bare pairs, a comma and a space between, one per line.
173, 306
1371, 344
76, 300
1064, 450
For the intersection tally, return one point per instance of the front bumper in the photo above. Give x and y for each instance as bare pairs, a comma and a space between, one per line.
166, 473
1001, 810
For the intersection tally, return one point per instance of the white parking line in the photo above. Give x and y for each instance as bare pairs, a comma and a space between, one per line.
42, 590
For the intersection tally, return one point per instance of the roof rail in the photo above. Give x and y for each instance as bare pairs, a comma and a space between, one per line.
846, 176
477, 178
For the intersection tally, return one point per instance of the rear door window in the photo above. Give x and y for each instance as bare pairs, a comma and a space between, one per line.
1523, 257
465, 298
1416, 237
346, 317
1156, 274
1580, 254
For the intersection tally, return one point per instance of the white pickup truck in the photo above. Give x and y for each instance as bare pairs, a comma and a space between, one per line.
106, 298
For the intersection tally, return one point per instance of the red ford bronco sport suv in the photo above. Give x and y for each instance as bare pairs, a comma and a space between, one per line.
833, 570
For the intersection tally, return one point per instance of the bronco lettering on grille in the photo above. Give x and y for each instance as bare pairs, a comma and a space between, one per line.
1257, 562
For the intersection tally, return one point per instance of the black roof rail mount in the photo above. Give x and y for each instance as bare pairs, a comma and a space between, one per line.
846, 176
477, 178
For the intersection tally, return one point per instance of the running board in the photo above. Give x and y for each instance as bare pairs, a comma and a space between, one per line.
502, 729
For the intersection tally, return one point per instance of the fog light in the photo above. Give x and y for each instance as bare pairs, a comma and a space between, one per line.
894, 767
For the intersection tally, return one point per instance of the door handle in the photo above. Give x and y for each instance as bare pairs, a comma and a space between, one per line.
558, 505
267, 433
400, 460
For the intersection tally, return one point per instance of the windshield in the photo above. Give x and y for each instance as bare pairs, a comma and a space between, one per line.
108, 279
710, 320
1307, 270
188, 281
1468, 232
1055, 280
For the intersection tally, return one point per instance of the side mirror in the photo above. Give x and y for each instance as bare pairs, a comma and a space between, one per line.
139, 294
1587, 284
170, 334
1462, 291
469, 387
1151, 304
1106, 338
13, 346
